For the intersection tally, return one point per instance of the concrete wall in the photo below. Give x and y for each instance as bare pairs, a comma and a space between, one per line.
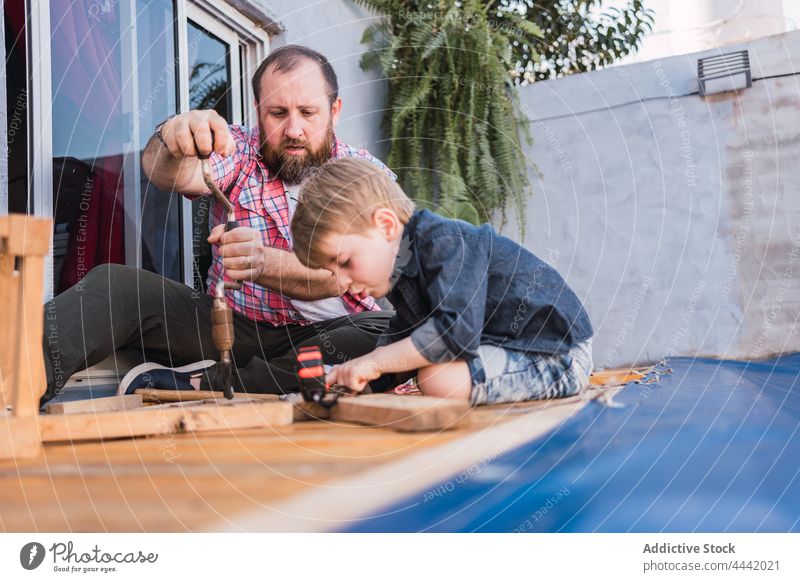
334, 27
682, 27
676, 218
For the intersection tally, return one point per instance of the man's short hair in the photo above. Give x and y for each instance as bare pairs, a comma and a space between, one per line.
340, 198
287, 58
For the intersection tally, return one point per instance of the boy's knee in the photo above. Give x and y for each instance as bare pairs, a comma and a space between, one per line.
448, 380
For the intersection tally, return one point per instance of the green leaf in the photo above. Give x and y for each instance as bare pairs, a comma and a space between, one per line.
466, 211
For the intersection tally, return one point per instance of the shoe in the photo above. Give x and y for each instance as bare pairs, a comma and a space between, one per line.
152, 375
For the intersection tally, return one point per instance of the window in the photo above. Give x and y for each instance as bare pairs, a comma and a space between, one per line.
102, 75
210, 87
110, 80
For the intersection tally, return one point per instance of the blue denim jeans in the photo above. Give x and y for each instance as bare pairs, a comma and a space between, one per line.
500, 375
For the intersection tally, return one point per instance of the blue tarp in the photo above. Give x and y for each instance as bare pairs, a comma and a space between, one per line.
712, 446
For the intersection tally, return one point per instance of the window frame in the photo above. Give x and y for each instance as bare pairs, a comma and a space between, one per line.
236, 30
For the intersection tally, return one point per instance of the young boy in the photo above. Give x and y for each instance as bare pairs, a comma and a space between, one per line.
477, 317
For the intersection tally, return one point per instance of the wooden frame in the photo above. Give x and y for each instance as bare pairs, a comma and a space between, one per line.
24, 244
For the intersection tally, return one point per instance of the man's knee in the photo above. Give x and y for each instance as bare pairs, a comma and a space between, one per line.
111, 274
125, 289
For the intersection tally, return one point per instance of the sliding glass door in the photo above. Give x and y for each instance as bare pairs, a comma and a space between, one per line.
113, 75
87, 81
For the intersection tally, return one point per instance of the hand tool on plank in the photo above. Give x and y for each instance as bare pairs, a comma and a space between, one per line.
311, 377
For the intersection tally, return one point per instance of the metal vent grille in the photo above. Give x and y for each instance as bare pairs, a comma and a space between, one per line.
726, 72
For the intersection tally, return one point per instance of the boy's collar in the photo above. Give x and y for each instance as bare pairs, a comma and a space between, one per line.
404, 263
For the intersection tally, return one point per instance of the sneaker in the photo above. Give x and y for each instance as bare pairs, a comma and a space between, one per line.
151, 375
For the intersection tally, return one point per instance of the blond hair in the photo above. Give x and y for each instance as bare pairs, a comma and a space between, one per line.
340, 198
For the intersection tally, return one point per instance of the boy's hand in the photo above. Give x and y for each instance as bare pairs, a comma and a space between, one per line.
353, 374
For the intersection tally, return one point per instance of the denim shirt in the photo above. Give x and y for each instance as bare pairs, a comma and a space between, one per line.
457, 286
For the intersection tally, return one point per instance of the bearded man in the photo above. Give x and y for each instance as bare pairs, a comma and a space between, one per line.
281, 305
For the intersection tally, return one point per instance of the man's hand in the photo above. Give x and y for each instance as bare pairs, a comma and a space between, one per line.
242, 251
174, 166
354, 374
246, 258
198, 132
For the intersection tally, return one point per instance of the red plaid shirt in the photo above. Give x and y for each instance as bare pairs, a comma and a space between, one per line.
260, 203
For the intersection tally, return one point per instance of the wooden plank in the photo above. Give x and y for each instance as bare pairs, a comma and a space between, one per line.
344, 500
404, 413
162, 396
193, 482
9, 287
167, 419
30, 381
96, 405
309, 411
19, 437
27, 235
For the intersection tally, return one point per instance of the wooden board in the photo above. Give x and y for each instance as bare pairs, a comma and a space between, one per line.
186, 482
351, 496
162, 396
19, 437
209, 481
165, 419
9, 286
309, 411
96, 405
403, 413
26, 235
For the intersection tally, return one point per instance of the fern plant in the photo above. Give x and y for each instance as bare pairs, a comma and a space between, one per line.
452, 114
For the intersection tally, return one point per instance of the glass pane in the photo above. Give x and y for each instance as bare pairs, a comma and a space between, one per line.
14, 20
89, 134
209, 71
157, 72
100, 63
209, 88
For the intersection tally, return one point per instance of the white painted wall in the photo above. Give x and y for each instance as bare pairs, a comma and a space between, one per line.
682, 27
334, 28
675, 218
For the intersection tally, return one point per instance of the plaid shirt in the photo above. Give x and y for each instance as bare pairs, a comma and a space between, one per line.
260, 203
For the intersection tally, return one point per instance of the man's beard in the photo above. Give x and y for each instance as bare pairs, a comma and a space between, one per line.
293, 169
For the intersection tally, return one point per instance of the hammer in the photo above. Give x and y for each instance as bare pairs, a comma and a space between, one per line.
311, 376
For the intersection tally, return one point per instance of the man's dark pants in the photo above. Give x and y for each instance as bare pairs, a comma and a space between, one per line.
117, 307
